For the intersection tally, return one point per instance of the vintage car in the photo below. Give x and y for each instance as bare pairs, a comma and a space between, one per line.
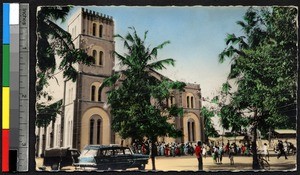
58, 158
111, 157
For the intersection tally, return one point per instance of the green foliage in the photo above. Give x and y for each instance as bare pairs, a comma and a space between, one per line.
52, 43
47, 113
215, 100
264, 62
264, 66
209, 129
226, 87
138, 101
232, 119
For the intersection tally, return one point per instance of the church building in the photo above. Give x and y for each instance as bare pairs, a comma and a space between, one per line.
85, 117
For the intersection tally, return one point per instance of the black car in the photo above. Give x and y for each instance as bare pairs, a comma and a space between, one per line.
58, 158
111, 157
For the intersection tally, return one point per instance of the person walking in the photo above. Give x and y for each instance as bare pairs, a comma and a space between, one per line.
221, 154
266, 152
281, 150
231, 154
216, 151
198, 152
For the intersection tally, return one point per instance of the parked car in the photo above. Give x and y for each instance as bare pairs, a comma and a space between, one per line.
58, 158
109, 157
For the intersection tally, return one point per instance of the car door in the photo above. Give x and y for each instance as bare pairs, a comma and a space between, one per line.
122, 160
128, 158
104, 159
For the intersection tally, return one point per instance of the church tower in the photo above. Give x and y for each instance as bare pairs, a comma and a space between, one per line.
86, 118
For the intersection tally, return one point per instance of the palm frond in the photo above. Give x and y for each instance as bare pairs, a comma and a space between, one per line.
110, 81
60, 34
155, 49
55, 13
46, 58
145, 35
159, 65
222, 57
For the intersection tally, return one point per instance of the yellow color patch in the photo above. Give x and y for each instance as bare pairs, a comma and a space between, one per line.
5, 107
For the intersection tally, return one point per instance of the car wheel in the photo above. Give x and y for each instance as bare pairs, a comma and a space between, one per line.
54, 166
142, 167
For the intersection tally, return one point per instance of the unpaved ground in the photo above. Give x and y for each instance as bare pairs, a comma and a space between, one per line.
189, 163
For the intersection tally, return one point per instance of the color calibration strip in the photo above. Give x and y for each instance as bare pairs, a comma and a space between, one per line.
5, 88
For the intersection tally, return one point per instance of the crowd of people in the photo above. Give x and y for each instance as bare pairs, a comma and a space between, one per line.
183, 149
216, 151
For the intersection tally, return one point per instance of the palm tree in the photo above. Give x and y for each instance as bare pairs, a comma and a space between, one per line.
138, 103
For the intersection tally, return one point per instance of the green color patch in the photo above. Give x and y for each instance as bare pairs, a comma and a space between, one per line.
5, 65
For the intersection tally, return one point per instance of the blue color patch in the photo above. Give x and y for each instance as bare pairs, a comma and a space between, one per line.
6, 34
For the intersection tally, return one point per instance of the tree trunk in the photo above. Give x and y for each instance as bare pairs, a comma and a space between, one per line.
44, 141
270, 134
255, 164
153, 163
153, 153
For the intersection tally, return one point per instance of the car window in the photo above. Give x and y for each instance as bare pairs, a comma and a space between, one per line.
74, 153
118, 152
89, 153
108, 152
127, 151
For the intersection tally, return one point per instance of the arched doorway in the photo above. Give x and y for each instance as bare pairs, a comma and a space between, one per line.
191, 128
95, 127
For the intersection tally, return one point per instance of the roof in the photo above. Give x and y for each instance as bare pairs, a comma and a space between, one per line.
96, 147
220, 138
285, 131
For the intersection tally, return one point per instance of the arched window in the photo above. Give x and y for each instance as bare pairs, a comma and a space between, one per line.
92, 131
93, 91
98, 131
95, 56
99, 94
191, 130
101, 58
187, 101
192, 102
171, 101
100, 31
94, 29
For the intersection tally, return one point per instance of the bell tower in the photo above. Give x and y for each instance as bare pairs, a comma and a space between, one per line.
86, 120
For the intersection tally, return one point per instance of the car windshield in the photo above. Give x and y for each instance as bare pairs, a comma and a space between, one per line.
89, 153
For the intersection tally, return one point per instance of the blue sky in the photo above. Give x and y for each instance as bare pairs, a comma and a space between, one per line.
196, 34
